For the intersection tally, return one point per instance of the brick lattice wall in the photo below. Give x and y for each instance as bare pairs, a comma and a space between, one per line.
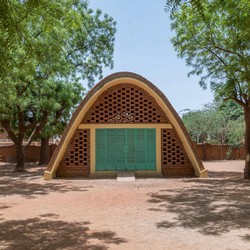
174, 159
125, 103
76, 161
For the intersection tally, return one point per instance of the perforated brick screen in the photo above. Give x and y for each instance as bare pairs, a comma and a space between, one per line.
76, 161
174, 160
125, 103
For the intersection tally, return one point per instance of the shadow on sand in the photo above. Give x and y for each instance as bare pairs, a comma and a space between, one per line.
211, 206
30, 183
47, 233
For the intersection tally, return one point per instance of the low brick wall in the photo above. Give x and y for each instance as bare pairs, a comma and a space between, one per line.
210, 152
32, 153
207, 152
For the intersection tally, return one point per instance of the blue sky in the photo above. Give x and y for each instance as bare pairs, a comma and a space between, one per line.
143, 46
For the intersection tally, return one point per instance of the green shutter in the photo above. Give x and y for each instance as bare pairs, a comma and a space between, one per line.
151, 149
132, 150
120, 149
125, 149
101, 149
110, 145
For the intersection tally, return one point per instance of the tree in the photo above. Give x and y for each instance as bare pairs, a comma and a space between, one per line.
216, 123
66, 96
46, 43
235, 122
198, 124
173, 5
216, 43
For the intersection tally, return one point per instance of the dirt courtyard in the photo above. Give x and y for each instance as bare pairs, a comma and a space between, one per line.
188, 213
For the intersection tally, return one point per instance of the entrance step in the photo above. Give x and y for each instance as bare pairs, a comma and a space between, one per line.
126, 176
148, 174
103, 176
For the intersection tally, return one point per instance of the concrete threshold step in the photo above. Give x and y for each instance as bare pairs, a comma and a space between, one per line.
103, 176
148, 174
126, 176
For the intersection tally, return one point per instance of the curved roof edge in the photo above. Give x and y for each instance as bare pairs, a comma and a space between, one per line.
50, 171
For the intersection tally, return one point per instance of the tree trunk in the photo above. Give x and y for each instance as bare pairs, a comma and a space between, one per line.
247, 143
221, 152
44, 152
204, 151
19, 158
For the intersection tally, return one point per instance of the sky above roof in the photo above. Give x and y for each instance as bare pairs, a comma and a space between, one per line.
143, 46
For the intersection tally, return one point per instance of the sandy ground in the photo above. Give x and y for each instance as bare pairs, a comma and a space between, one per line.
186, 213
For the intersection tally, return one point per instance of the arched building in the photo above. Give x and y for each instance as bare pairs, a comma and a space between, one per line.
125, 123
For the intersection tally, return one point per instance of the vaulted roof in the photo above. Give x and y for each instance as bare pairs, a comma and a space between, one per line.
95, 92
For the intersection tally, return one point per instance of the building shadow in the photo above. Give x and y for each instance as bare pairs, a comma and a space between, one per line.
47, 233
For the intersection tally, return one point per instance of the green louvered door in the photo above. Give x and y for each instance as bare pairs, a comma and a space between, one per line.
125, 149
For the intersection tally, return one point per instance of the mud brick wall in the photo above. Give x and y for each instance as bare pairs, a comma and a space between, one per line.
32, 153
174, 159
76, 161
212, 152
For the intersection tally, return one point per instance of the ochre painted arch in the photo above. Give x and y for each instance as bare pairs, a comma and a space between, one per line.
107, 83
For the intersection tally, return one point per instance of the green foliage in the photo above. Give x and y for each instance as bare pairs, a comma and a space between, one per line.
64, 96
47, 48
197, 123
236, 132
231, 110
214, 39
216, 44
216, 123
51, 39
173, 5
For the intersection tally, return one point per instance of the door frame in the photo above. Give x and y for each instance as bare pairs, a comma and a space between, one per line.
93, 127
128, 145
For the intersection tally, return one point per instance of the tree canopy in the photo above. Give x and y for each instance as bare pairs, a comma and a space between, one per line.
216, 45
214, 39
47, 49
219, 123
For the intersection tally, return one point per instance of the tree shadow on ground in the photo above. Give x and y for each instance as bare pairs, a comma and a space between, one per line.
47, 233
31, 189
212, 206
246, 237
225, 174
30, 184
32, 170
